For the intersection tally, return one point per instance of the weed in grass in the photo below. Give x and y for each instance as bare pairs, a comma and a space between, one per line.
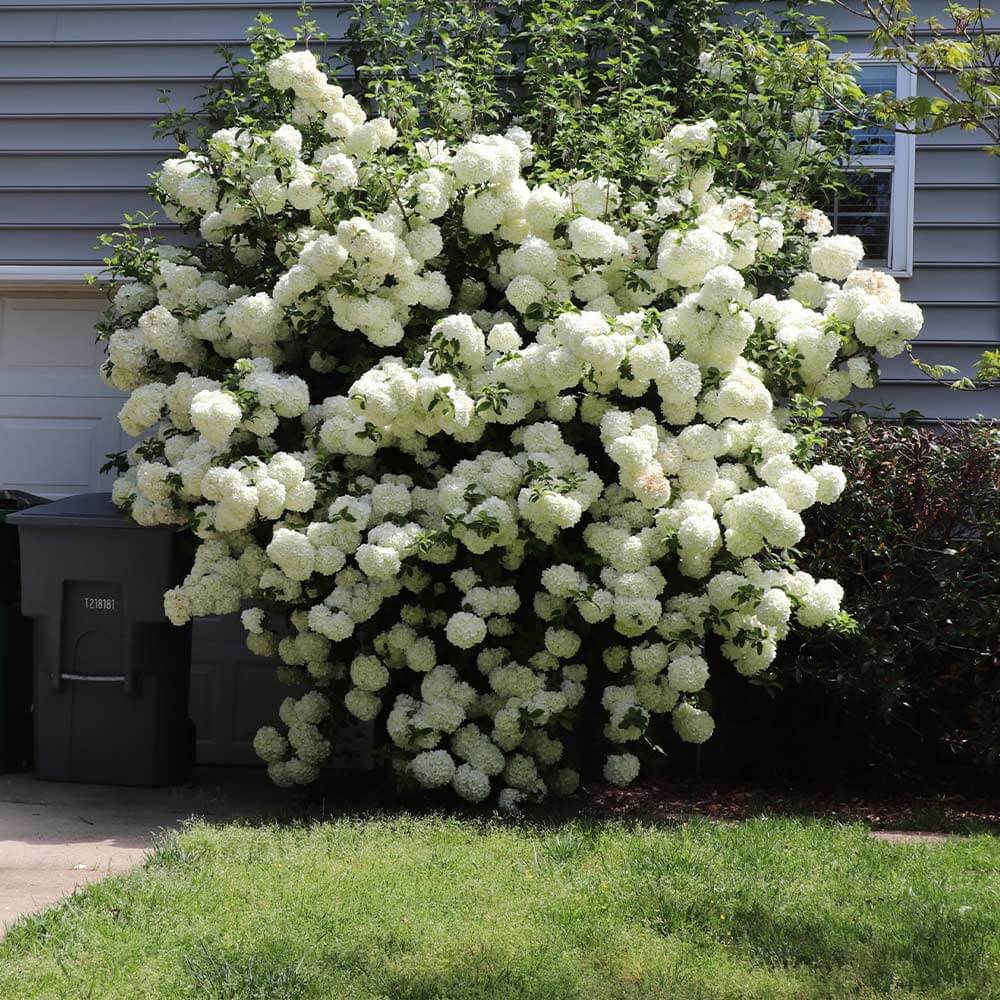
171, 851
216, 974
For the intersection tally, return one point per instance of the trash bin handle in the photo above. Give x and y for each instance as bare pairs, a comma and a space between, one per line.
100, 678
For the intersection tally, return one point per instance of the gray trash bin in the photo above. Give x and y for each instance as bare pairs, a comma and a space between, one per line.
111, 674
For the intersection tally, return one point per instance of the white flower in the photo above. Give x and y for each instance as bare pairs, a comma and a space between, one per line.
253, 620
363, 705
434, 768
465, 630
340, 172
686, 260
830, 482
774, 608
292, 553
687, 673
470, 783
562, 642
286, 141
594, 240
621, 769
693, 725
270, 745
836, 256
821, 604
254, 317
368, 673
378, 561
215, 415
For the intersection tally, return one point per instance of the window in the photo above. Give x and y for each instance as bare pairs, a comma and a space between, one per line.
879, 211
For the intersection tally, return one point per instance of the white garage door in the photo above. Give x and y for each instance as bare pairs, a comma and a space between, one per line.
57, 418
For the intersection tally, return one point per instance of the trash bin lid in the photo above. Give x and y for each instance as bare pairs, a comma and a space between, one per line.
11, 500
85, 510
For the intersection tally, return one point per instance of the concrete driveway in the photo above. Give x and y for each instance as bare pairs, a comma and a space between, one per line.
57, 837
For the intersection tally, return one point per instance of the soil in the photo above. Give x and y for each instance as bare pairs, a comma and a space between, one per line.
933, 813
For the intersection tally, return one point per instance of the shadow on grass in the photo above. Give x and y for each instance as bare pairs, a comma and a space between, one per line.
922, 944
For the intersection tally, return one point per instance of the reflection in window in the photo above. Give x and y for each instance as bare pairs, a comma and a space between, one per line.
876, 78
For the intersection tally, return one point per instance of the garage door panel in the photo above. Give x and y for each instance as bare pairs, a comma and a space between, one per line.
48, 347
54, 446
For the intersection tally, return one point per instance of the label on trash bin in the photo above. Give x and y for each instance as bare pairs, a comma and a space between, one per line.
98, 603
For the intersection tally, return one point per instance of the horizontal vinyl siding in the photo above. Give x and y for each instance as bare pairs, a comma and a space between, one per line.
80, 87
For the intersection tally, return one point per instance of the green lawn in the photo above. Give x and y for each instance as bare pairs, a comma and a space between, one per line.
449, 909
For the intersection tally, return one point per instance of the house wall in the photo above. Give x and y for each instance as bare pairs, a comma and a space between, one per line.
79, 90
956, 247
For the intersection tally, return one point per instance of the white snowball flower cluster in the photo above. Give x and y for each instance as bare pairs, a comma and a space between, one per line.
476, 450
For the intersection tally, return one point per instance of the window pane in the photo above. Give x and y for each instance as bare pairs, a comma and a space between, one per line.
866, 212
870, 193
873, 231
875, 78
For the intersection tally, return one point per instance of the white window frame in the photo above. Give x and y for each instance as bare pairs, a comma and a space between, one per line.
902, 167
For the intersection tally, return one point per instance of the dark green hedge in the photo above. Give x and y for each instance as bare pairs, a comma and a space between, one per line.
914, 694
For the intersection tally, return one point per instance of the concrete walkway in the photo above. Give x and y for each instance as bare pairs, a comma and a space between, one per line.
56, 837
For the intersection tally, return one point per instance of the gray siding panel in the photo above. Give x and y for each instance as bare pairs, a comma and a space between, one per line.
956, 235
127, 22
73, 206
60, 244
148, 60
110, 168
79, 94
68, 132
957, 284
956, 204
966, 243
95, 98
942, 165
960, 322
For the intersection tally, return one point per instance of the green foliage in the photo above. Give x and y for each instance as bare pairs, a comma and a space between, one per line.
959, 57
437, 63
915, 541
595, 82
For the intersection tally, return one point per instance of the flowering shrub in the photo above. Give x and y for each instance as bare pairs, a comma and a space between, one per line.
484, 456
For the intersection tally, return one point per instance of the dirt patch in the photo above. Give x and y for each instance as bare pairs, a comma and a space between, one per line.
909, 836
919, 813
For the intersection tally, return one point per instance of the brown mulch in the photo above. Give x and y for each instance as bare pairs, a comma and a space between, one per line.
929, 813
